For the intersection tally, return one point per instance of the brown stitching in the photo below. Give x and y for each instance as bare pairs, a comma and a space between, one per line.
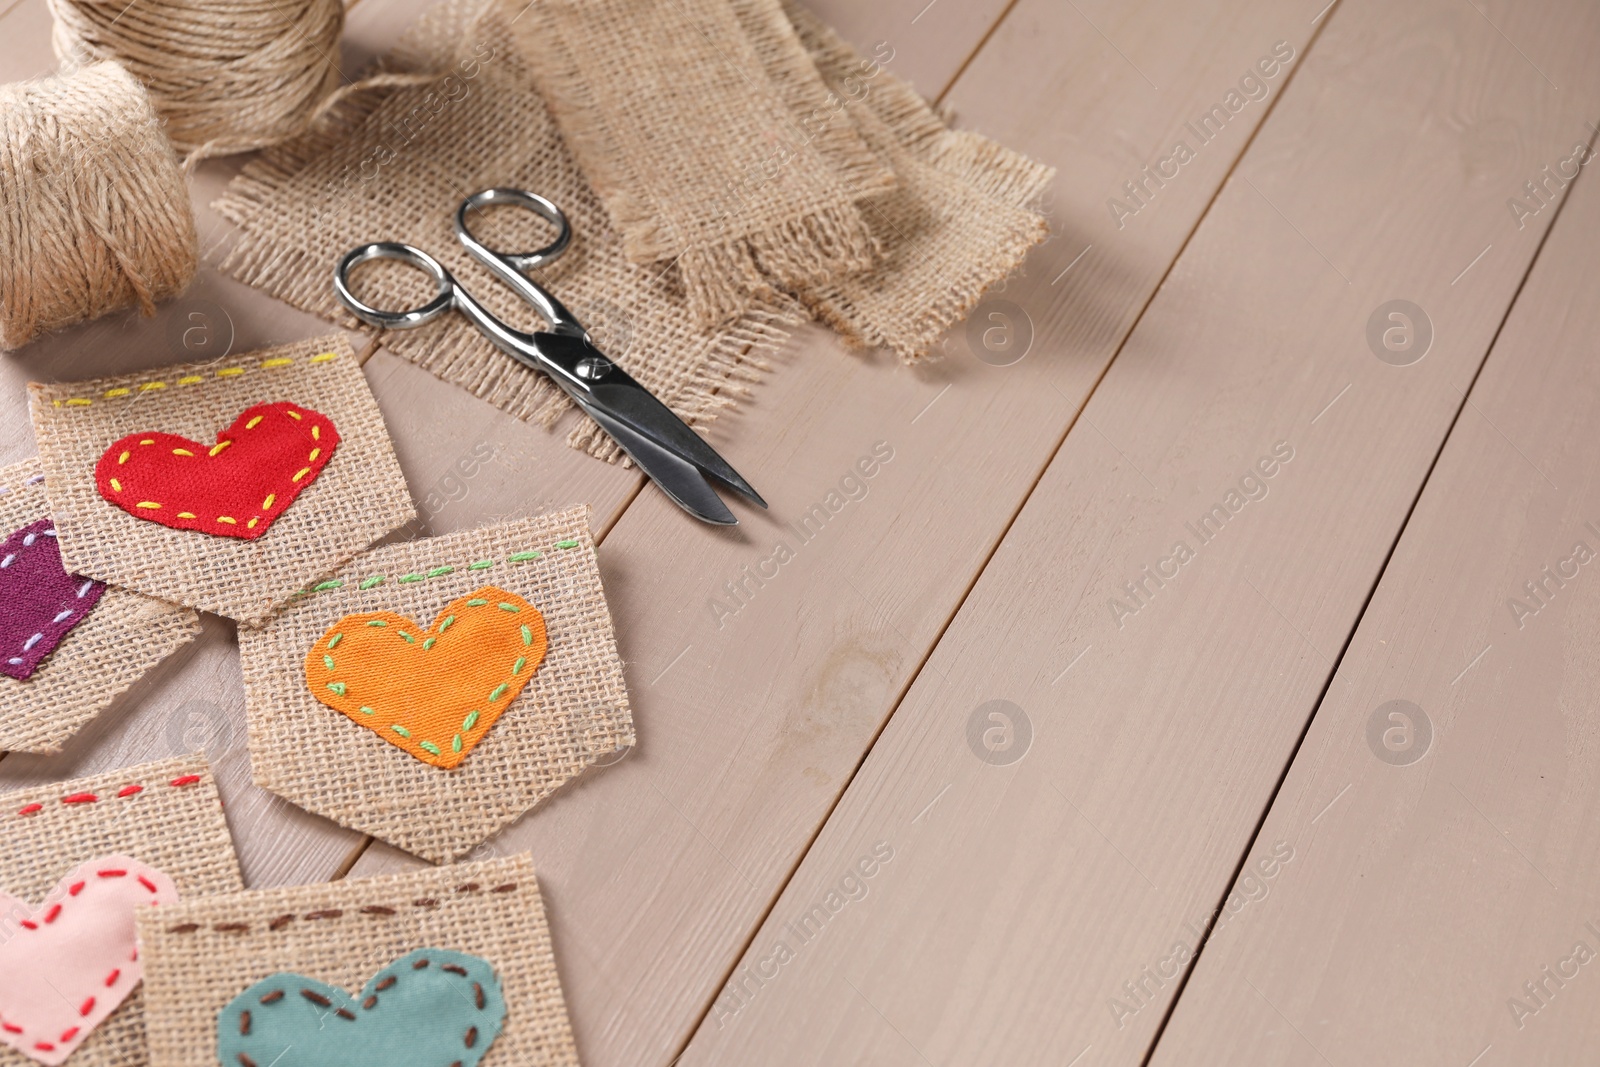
345, 1013
244, 1024
453, 969
419, 965
387, 983
472, 1036
246, 1061
370, 1003
316, 998
272, 997
426, 903
477, 995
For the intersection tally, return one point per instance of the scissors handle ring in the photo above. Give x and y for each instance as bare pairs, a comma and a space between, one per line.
442, 301
520, 198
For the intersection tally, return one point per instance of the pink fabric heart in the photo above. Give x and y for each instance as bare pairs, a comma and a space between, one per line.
66, 965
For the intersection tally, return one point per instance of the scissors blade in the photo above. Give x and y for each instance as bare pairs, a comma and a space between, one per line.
634, 404
677, 477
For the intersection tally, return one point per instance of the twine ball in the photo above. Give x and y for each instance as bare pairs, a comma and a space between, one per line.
226, 75
94, 212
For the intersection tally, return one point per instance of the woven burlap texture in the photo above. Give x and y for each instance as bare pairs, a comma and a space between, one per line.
359, 496
395, 167
687, 117
964, 215
573, 712
179, 830
199, 956
123, 637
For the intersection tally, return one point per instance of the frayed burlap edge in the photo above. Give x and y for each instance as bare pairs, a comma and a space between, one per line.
122, 637
200, 955
982, 197
723, 265
172, 821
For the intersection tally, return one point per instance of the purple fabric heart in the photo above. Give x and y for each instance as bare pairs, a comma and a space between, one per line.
39, 601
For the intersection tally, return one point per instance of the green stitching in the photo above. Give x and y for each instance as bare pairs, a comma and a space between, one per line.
498, 692
376, 579
522, 557
503, 606
469, 722
367, 711
327, 661
430, 747
527, 636
401, 730
428, 643
408, 638
566, 544
337, 687
455, 745
412, 577
376, 622
448, 619
476, 602
522, 661
440, 570
481, 565
333, 642
331, 583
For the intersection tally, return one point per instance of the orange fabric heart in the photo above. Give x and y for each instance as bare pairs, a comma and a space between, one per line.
434, 693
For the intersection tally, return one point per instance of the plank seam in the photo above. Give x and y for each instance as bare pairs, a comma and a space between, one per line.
1333, 673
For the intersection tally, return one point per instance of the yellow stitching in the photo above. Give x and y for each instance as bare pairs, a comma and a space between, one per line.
151, 505
315, 452
266, 505
191, 379
230, 372
181, 452
124, 457
224, 518
253, 423
251, 525
185, 514
301, 473
218, 447
148, 386
325, 357
147, 441
111, 393
79, 402
281, 361
116, 485
295, 415
316, 433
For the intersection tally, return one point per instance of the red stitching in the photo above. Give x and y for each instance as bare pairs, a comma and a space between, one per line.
126, 791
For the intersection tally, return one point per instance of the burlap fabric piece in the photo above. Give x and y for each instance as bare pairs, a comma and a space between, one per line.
963, 217
573, 712
358, 497
394, 167
689, 118
123, 637
176, 828
200, 955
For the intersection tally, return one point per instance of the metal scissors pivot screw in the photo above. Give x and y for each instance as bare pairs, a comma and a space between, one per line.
663, 446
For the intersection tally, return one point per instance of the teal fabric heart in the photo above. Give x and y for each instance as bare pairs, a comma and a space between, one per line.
429, 1008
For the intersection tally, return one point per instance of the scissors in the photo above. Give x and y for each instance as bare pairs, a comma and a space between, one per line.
663, 446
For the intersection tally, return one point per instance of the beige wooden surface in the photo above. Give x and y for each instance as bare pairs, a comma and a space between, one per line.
979, 562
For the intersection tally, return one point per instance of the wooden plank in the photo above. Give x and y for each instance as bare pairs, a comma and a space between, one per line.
1462, 849
988, 883
658, 869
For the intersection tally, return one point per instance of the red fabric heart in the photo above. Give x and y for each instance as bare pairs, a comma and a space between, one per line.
235, 488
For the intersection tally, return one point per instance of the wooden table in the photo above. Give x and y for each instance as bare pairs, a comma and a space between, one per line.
1075, 739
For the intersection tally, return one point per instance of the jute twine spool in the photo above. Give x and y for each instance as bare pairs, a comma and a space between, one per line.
94, 212
226, 75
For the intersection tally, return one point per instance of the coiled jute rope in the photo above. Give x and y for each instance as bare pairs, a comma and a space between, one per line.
94, 211
226, 75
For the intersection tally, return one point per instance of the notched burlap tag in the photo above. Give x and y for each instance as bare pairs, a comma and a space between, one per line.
165, 814
573, 712
111, 648
690, 119
199, 955
963, 217
395, 166
358, 497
